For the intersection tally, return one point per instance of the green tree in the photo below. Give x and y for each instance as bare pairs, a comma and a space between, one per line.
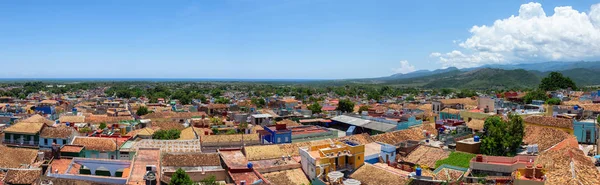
222, 100
143, 110
553, 101
535, 95
345, 106
555, 81
502, 138
166, 134
102, 126
181, 178
259, 102
315, 108
230, 132
363, 108
210, 180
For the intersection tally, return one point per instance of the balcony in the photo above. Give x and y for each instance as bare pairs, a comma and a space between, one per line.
21, 143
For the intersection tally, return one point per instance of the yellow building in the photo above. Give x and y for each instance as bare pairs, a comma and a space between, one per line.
318, 160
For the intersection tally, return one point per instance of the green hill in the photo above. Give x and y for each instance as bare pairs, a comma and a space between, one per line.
487, 78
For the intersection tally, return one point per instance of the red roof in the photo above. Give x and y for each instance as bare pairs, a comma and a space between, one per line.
328, 108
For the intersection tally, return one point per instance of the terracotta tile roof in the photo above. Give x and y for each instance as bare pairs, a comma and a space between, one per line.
56, 132
25, 128
72, 119
171, 114
229, 138
49, 102
289, 123
216, 106
426, 156
362, 139
71, 148
189, 133
476, 124
544, 137
447, 174
168, 125
96, 119
14, 157
568, 165
291, 177
372, 175
38, 119
414, 133
465, 101
549, 121
591, 107
23, 176
292, 148
191, 159
263, 152
451, 111
96, 143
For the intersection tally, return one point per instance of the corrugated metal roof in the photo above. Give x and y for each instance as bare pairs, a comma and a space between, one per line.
373, 125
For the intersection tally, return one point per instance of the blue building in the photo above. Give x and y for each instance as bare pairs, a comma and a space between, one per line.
450, 114
55, 135
585, 131
277, 134
412, 121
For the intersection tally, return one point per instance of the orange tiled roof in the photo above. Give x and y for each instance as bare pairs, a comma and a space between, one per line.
550, 121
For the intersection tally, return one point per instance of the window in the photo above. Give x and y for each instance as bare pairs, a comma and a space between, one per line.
278, 140
287, 139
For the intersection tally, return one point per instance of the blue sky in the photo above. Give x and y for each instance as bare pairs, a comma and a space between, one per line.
300, 39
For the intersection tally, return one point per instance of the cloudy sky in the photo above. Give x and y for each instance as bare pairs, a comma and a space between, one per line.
286, 39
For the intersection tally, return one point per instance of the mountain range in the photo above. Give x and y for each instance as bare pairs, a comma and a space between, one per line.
494, 76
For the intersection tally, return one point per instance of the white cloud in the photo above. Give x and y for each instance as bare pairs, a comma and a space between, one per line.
404, 68
567, 35
435, 54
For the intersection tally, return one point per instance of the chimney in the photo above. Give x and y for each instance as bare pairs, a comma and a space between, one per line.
529, 171
479, 158
55, 151
538, 172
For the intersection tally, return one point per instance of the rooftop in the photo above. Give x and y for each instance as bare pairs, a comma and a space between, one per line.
15, 157
414, 133
308, 129
544, 137
291, 177
568, 165
71, 148
56, 132
62, 165
426, 156
263, 152
229, 138
191, 159
72, 119
476, 124
96, 143
373, 175
22, 176
233, 158
550, 121
169, 145
25, 128
143, 158
171, 114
